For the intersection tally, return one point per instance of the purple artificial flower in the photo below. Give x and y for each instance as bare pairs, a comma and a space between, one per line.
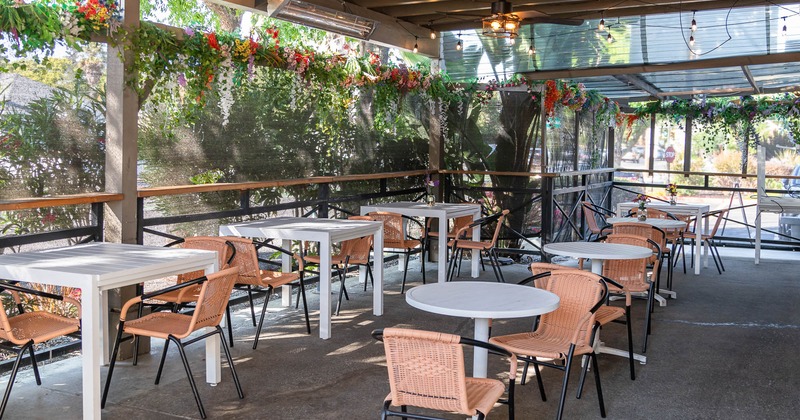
250, 64
189, 31
182, 80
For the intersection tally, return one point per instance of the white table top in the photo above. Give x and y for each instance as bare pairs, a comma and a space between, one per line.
109, 264
652, 221
778, 204
411, 208
598, 250
302, 228
680, 208
475, 299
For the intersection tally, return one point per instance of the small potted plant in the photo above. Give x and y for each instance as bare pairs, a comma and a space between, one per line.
429, 185
672, 190
642, 200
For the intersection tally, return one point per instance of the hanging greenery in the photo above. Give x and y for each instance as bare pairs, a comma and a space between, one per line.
735, 116
191, 63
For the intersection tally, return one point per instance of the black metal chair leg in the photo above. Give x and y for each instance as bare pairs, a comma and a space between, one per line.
405, 273
593, 356
229, 321
189, 375
582, 378
342, 290
567, 366
230, 363
139, 314
647, 316
111, 365
263, 315
524, 372
305, 303
252, 307
493, 262
13, 376
35, 366
161, 363
422, 261
539, 381
497, 261
630, 341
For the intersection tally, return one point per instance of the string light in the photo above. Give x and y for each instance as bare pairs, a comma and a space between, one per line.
691, 41
694, 22
433, 34
416, 45
531, 50
602, 25
459, 45
610, 38
512, 41
783, 31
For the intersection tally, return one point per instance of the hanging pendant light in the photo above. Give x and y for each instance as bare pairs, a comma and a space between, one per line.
502, 23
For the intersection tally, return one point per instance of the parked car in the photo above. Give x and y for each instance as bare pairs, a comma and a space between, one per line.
659, 155
632, 156
625, 176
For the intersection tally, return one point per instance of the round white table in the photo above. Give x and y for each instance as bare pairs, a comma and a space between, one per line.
482, 301
659, 223
598, 252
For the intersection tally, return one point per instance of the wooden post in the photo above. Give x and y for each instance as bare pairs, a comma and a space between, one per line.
610, 148
122, 131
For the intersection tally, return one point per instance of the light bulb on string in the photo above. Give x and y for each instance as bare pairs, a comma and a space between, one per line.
433, 34
459, 45
691, 41
416, 45
610, 38
694, 22
531, 50
512, 41
602, 25
783, 31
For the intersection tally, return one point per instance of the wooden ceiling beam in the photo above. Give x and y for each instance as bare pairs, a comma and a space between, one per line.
750, 79
654, 68
639, 83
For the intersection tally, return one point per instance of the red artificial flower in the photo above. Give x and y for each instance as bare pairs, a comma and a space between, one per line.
212, 41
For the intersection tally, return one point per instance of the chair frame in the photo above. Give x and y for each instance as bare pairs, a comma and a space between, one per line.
27, 346
387, 412
491, 252
180, 344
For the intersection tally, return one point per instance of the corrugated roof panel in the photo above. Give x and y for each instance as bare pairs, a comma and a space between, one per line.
709, 79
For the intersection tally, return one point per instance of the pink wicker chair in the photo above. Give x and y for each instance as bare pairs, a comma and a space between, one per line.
24, 330
215, 291
633, 276
395, 239
564, 333
459, 245
352, 252
426, 370
177, 299
251, 275
590, 214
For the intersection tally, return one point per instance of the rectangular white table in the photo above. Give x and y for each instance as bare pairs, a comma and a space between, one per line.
327, 232
96, 268
443, 212
696, 210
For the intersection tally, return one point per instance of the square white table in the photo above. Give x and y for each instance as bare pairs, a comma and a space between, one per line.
696, 210
327, 232
96, 268
443, 212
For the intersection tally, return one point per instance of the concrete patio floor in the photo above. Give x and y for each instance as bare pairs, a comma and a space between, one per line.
724, 349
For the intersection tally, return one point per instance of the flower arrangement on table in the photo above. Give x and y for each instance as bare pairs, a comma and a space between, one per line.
429, 185
642, 200
672, 190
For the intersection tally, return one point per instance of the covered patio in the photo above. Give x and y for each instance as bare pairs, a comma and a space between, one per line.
718, 351
174, 122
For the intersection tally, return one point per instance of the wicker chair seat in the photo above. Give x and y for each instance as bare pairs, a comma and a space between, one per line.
533, 344
481, 245
269, 278
336, 259
39, 327
606, 314
482, 394
402, 244
160, 325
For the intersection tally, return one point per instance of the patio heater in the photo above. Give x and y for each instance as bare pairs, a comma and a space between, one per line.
327, 19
